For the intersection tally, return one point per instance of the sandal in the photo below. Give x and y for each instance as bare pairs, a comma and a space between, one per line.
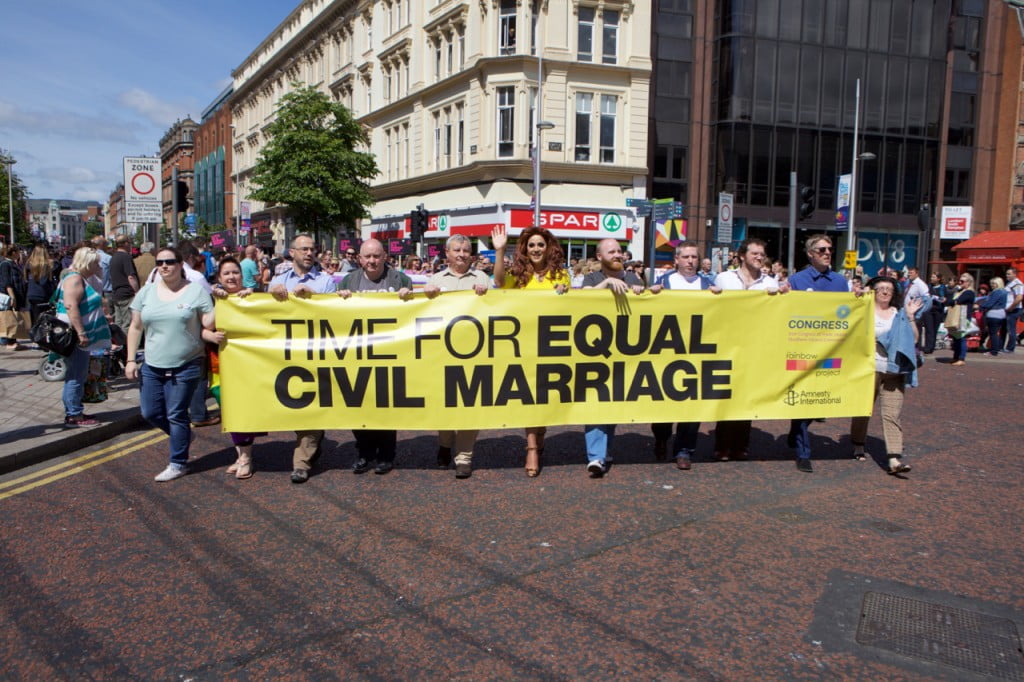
233, 469
244, 468
899, 468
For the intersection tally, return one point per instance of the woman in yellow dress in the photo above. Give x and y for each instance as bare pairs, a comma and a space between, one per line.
538, 263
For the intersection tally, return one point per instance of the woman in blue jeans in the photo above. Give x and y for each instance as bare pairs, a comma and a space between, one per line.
965, 298
176, 316
81, 306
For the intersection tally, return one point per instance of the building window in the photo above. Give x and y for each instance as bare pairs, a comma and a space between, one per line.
437, 141
533, 117
437, 60
405, 150
387, 86
507, 27
585, 35
450, 48
462, 50
461, 134
447, 142
584, 108
506, 121
609, 37
609, 104
387, 154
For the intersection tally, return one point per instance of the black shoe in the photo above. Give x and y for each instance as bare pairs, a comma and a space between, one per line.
384, 468
804, 464
463, 470
300, 475
444, 457
660, 450
361, 466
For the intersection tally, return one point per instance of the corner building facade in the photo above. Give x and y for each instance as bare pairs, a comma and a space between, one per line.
449, 93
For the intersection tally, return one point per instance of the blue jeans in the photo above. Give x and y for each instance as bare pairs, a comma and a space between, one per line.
801, 437
960, 348
686, 436
74, 381
1011, 330
197, 411
164, 396
599, 439
995, 333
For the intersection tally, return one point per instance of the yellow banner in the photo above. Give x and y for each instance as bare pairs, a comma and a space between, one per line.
533, 358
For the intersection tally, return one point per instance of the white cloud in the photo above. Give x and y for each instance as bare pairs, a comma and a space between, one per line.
158, 111
74, 175
66, 124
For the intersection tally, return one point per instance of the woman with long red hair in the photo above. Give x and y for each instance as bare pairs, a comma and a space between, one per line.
538, 263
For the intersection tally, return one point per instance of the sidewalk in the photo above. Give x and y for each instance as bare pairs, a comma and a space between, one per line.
32, 414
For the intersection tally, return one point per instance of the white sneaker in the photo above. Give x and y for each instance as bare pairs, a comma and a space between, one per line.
596, 469
172, 472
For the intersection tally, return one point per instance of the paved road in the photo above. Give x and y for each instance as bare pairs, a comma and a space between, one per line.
738, 570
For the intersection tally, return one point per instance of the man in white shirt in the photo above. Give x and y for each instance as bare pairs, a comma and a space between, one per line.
1015, 288
916, 288
732, 438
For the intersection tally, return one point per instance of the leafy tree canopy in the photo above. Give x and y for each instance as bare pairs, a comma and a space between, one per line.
20, 193
311, 164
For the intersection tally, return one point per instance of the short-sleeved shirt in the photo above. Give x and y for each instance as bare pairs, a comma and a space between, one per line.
250, 273
318, 282
592, 279
172, 328
1015, 289
810, 279
105, 270
730, 280
679, 282
121, 268
446, 280
547, 283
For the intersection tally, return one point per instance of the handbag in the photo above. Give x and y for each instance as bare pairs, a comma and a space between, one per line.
54, 334
953, 316
5, 302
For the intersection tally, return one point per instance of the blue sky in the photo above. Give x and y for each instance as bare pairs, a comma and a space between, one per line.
84, 83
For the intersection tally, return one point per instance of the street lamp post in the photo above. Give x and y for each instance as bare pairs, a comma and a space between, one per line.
234, 190
9, 160
540, 124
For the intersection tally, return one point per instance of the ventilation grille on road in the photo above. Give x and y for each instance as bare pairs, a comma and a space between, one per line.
933, 632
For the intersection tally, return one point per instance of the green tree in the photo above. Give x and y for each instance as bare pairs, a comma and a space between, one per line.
311, 164
93, 228
22, 234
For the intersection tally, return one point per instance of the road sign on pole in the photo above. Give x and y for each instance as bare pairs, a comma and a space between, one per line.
724, 217
143, 200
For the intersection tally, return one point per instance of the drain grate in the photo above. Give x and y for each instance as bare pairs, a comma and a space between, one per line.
933, 632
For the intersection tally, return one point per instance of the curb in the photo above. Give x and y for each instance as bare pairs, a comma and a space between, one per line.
75, 439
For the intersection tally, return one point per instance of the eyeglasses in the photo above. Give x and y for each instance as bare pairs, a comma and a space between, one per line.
302, 248
350, 253
823, 249
167, 261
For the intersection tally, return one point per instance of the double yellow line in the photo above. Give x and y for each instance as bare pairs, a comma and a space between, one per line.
79, 464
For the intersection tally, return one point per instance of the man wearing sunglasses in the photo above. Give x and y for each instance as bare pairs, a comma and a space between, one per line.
817, 276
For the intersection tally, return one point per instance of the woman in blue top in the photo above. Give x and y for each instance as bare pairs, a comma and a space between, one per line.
993, 307
81, 306
176, 316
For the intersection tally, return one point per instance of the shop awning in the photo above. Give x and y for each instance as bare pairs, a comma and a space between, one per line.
991, 247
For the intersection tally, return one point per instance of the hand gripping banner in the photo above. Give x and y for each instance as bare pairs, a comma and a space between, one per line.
533, 358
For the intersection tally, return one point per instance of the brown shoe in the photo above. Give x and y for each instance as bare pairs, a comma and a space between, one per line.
207, 422
463, 470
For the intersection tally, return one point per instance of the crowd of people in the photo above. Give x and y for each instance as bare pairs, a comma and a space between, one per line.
165, 299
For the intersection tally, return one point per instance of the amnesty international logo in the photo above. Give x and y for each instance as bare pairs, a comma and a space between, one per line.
792, 397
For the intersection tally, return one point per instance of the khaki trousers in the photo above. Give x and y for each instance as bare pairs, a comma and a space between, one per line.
890, 387
460, 442
306, 445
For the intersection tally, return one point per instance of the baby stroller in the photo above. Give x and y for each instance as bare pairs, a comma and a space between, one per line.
54, 367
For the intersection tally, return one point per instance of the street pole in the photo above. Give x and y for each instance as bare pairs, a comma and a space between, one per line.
174, 206
9, 160
791, 250
538, 119
851, 239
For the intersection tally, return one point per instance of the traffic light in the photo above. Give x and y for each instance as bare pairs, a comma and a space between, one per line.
418, 223
182, 190
806, 202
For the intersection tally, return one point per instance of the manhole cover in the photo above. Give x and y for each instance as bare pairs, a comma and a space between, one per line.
933, 632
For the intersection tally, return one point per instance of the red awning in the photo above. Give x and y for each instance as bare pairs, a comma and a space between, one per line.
991, 247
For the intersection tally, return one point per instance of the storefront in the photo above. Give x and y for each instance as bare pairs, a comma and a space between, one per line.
988, 254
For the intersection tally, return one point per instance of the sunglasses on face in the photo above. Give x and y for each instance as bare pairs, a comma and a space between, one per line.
823, 249
167, 261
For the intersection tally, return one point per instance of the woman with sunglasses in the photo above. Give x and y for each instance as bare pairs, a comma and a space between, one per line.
176, 316
895, 368
229, 281
965, 298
